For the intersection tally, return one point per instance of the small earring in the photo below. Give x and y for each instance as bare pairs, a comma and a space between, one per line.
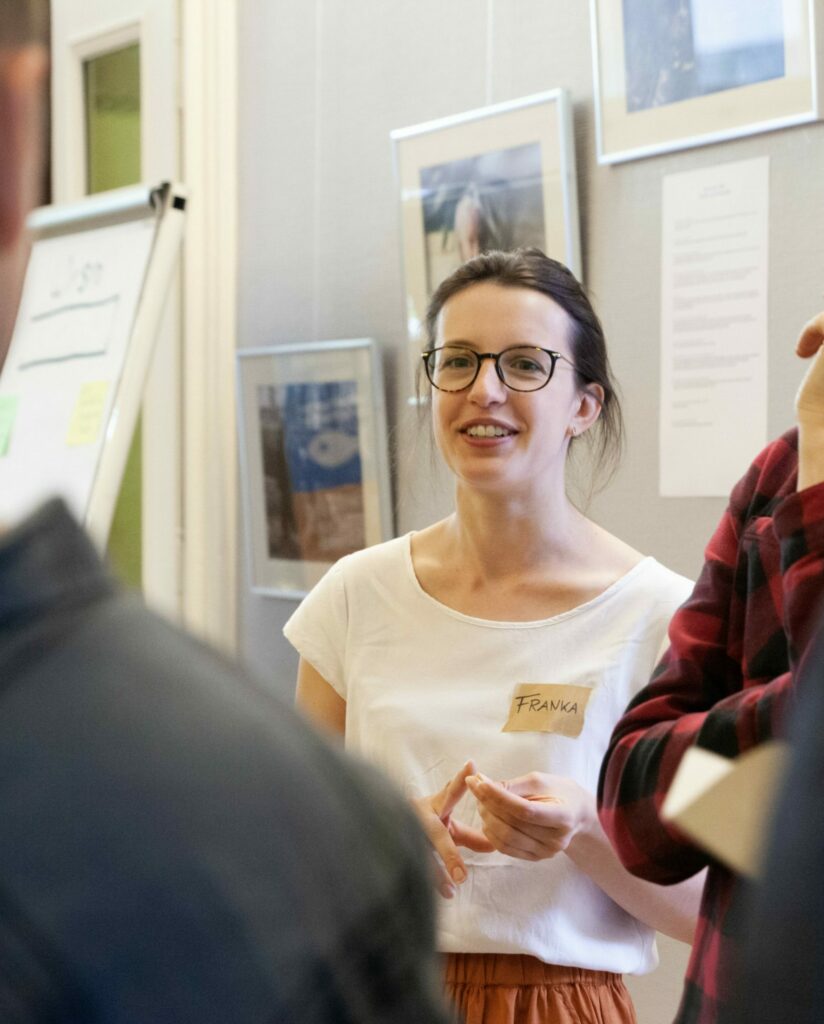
573, 431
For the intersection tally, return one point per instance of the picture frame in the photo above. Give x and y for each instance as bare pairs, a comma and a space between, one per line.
313, 459
497, 177
671, 74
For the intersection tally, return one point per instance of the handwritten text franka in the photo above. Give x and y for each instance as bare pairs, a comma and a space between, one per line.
548, 707
534, 702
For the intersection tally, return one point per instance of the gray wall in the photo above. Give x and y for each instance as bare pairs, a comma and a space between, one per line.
322, 84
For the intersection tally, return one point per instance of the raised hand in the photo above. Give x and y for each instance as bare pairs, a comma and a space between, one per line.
809, 405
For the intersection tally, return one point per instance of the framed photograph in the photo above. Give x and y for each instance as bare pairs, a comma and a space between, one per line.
494, 178
313, 459
676, 73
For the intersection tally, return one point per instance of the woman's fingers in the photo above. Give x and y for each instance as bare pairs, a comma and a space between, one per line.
532, 817
438, 834
471, 838
502, 834
521, 803
445, 885
448, 797
446, 834
524, 845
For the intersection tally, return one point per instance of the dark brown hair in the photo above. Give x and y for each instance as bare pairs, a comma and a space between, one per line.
530, 268
23, 22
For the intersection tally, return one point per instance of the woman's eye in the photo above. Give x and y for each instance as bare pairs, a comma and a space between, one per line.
524, 365
456, 362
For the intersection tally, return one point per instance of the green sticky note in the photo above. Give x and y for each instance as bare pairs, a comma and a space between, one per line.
8, 412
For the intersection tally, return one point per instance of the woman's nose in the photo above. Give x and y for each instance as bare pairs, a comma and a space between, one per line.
487, 386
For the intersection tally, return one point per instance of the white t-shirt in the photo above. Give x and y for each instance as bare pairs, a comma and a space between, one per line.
427, 688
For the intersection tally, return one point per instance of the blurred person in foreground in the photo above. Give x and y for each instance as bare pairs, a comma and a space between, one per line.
728, 681
176, 845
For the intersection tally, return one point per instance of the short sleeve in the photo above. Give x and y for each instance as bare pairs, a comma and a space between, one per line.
319, 627
678, 589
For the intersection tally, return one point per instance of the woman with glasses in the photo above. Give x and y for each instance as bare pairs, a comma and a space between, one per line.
503, 642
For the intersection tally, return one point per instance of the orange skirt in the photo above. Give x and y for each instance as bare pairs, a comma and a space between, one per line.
493, 988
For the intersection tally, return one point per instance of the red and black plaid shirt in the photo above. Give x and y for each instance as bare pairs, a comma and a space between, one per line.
724, 684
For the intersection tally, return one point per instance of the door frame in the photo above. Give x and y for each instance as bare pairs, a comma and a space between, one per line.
209, 161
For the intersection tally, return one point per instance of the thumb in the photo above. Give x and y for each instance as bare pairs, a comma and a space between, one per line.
810, 397
534, 786
523, 785
812, 334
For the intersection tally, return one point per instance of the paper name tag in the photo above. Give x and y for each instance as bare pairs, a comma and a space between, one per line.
548, 707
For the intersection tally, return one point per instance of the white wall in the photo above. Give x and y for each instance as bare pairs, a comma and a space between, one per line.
322, 84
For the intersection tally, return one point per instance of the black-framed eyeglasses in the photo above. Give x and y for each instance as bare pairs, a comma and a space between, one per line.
520, 368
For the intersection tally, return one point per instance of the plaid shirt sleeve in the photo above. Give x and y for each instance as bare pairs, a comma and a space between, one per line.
726, 681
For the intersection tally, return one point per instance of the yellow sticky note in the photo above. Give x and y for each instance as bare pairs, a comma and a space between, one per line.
8, 412
87, 416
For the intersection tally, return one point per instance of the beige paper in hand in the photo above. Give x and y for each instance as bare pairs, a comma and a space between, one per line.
726, 805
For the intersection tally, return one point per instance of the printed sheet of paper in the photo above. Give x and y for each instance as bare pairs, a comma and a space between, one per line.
726, 806
713, 326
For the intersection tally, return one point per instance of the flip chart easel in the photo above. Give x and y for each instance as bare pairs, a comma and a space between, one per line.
71, 387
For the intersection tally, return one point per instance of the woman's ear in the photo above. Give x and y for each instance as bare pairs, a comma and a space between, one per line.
590, 403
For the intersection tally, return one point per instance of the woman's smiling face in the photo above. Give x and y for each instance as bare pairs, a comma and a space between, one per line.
490, 436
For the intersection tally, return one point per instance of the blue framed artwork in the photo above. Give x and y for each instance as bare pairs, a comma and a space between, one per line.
314, 465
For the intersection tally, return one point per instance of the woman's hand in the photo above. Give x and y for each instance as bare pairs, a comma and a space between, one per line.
446, 834
533, 817
809, 405
538, 816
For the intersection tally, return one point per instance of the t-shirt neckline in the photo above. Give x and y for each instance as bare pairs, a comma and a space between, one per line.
579, 609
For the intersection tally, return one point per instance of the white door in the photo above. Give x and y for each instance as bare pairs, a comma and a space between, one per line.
115, 120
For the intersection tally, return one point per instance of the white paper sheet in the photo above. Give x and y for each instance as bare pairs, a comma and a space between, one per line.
713, 326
